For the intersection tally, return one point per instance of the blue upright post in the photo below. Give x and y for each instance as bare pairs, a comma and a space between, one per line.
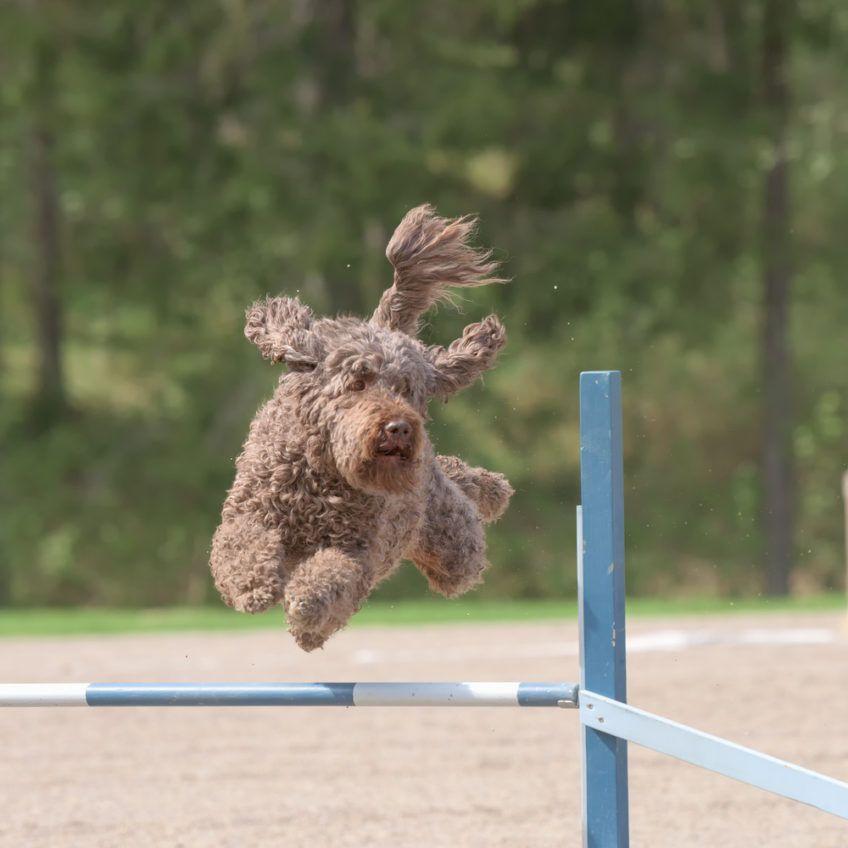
600, 557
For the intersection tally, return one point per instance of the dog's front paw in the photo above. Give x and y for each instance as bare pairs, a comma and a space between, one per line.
322, 594
308, 640
310, 636
453, 578
493, 495
311, 619
256, 598
458, 582
307, 612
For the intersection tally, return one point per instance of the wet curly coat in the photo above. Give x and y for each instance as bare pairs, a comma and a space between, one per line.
337, 481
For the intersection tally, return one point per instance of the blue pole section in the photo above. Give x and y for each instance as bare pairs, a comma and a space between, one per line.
601, 603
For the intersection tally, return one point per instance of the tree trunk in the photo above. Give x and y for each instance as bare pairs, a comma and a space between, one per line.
778, 476
338, 70
50, 398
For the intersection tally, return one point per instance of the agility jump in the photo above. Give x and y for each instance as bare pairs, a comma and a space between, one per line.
607, 721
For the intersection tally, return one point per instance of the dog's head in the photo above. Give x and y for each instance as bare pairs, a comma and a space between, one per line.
363, 386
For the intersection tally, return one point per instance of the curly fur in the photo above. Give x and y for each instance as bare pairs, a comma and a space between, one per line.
324, 505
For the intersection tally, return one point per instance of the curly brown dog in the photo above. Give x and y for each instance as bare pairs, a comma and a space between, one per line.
338, 481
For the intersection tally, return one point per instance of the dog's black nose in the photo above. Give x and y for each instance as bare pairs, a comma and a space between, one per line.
398, 428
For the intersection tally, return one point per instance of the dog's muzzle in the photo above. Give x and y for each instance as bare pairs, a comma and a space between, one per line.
397, 438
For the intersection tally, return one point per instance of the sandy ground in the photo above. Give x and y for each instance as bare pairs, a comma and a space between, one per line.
414, 777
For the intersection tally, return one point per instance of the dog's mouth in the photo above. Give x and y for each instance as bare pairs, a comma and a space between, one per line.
394, 452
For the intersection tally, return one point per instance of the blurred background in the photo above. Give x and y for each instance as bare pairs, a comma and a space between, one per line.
666, 183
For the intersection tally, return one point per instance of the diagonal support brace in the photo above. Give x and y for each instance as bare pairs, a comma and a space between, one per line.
713, 753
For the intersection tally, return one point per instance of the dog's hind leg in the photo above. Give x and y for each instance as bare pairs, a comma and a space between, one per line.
247, 563
323, 592
450, 550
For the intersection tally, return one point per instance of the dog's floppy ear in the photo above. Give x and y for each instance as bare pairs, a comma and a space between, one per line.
279, 327
469, 357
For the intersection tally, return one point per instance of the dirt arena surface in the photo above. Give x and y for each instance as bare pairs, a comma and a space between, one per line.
416, 777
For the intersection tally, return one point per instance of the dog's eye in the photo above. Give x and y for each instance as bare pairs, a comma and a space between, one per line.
357, 386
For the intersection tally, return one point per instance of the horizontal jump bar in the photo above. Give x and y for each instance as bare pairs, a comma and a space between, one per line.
288, 695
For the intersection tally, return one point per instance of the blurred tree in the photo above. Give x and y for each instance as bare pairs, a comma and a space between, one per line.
50, 401
777, 462
200, 155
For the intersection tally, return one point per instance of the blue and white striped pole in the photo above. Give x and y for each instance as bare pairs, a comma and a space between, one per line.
288, 695
600, 575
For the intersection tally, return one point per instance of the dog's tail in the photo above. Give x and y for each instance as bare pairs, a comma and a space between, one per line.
430, 254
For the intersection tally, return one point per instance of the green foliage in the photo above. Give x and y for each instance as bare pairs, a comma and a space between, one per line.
209, 153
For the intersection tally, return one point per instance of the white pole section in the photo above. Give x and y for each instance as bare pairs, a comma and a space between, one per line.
43, 694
